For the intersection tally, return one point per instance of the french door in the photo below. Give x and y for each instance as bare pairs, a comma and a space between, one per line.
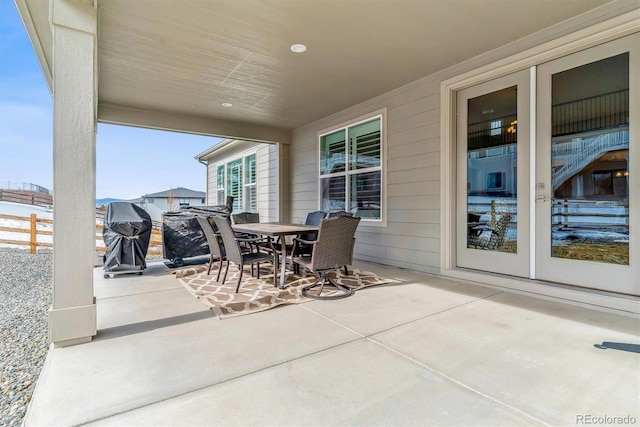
588, 163
580, 223
493, 176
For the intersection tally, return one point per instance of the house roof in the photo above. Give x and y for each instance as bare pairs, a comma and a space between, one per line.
178, 192
222, 147
172, 65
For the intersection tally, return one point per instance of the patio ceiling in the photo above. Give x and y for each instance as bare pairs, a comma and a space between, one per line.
189, 57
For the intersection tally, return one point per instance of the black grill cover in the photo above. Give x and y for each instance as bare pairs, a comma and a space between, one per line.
182, 236
126, 234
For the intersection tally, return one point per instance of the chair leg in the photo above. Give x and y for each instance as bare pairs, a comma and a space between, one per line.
258, 270
323, 280
346, 271
239, 279
226, 270
219, 271
210, 264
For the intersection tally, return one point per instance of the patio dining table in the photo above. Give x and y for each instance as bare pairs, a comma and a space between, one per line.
276, 229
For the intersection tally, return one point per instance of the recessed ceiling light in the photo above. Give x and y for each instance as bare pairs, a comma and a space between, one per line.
298, 48
227, 104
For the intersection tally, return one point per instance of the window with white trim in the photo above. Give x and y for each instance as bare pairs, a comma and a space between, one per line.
221, 197
250, 189
234, 183
351, 169
237, 178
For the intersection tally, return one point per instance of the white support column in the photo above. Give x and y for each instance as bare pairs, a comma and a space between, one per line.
72, 317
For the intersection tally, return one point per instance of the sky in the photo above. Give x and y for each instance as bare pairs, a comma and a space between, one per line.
130, 161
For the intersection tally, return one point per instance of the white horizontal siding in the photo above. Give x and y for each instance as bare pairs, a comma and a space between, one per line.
411, 238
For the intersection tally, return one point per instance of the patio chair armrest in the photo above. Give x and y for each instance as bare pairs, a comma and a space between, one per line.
306, 242
297, 241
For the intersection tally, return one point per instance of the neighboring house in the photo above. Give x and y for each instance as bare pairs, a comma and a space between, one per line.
171, 200
246, 170
403, 125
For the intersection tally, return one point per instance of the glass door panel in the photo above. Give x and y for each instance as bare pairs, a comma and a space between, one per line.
588, 137
492, 191
493, 165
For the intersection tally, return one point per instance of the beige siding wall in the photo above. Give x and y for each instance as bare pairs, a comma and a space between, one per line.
267, 181
211, 184
284, 162
411, 238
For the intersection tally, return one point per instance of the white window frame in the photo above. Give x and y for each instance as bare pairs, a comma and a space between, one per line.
224, 187
248, 186
382, 116
221, 186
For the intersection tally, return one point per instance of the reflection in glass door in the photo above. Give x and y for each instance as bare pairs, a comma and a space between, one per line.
492, 185
493, 177
585, 199
590, 162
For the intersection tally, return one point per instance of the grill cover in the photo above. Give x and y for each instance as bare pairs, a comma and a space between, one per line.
182, 236
126, 234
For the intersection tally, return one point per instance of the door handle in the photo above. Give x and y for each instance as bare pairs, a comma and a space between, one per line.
542, 199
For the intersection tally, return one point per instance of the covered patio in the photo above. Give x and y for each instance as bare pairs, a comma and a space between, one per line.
424, 351
236, 70
448, 344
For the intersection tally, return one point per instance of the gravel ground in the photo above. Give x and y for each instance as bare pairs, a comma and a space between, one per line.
25, 298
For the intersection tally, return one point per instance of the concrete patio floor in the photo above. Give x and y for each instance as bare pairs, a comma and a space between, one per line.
427, 351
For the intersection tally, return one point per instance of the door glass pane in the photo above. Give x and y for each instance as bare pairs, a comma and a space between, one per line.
590, 162
492, 134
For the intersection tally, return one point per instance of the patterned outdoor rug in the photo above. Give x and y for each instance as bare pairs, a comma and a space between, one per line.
259, 294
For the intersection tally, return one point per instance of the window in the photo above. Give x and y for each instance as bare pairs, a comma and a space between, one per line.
183, 202
351, 169
250, 191
150, 200
221, 197
495, 180
602, 183
496, 127
234, 183
237, 178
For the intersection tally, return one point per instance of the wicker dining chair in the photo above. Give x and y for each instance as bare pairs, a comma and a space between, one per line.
234, 252
214, 240
332, 250
245, 218
496, 237
313, 218
334, 214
